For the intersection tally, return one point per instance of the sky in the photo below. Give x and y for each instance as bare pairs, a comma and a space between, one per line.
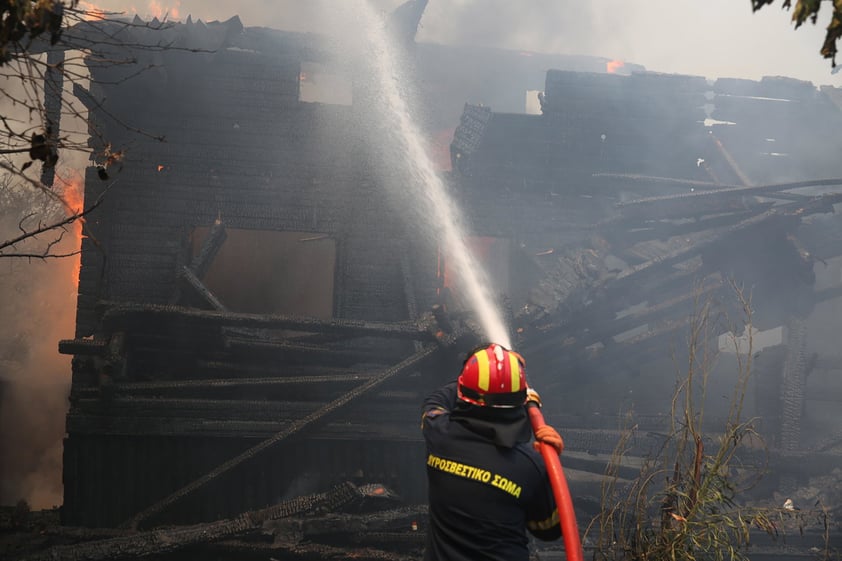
710, 38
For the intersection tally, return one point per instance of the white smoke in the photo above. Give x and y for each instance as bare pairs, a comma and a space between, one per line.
711, 38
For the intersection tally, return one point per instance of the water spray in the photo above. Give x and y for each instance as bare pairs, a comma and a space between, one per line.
430, 188
443, 211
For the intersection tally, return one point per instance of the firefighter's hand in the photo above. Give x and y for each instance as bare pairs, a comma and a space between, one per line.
548, 435
532, 395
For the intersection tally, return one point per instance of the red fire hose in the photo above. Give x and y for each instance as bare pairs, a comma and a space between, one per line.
566, 515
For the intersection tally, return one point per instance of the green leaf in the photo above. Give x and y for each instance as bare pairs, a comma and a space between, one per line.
805, 9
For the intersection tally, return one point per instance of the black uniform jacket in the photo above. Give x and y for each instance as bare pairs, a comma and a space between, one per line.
483, 495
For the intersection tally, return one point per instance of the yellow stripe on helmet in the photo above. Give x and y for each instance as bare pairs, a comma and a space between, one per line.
514, 366
483, 370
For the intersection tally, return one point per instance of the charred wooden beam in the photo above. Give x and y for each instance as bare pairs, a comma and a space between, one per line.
602, 319
614, 357
653, 268
80, 424
193, 282
135, 545
672, 281
224, 409
211, 246
348, 527
83, 347
351, 430
715, 188
604, 328
681, 254
235, 369
53, 87
85, 98
672, 181
299, 353
684, 203
295, 428
118, 316
795, 197
619, 235
145, 543
312, 551
210, 356
165, 385
156, 409
661, 328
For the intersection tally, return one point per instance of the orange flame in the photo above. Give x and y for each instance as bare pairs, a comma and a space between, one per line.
160, 167
612, 66
155, 9
73, 196
158, 10
35, 399
91, 12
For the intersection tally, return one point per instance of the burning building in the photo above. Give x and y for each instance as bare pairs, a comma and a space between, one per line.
253, 318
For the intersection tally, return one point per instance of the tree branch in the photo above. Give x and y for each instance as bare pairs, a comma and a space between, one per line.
60, 224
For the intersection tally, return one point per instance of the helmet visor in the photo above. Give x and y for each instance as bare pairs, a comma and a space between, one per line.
510, 399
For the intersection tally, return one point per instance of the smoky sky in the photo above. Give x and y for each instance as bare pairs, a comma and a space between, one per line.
711, 38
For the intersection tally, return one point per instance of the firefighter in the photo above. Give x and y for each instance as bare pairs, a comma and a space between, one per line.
487, 486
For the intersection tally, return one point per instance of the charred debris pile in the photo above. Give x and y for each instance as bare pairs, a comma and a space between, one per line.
256, 325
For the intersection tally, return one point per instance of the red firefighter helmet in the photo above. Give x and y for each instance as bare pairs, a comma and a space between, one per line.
493, 376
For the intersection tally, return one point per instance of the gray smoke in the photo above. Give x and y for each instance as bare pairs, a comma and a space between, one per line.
711, 38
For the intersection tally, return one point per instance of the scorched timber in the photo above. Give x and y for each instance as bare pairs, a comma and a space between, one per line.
199, 288
690, 204
216, 237
603, 329
161, 386
134, 545
305, 422
120, 316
